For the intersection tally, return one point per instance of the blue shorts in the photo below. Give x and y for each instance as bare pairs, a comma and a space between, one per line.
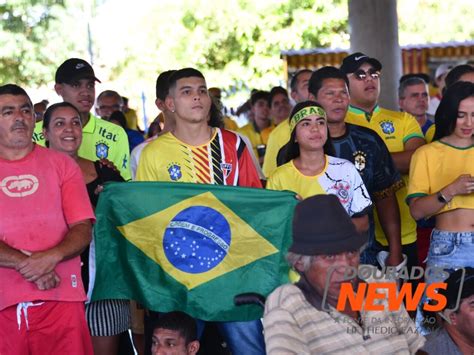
450, 250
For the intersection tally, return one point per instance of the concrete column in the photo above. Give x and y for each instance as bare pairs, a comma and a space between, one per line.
373, 27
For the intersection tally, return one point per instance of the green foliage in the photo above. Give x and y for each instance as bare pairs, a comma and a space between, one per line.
24, 31
236, 43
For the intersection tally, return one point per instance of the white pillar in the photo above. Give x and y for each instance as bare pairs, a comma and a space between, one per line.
373, 27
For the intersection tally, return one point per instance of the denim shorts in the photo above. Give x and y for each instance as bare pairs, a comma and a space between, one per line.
450, 250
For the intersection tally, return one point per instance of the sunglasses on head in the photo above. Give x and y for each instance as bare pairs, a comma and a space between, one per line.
362, 75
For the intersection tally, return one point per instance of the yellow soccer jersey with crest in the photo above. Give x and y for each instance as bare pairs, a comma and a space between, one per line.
436, 165
277, 139
223, 160
395, 128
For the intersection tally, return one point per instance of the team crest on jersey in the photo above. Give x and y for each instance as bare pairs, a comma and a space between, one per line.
387, 127
226, 169
359, 160
101, 150
342, 191
174, 170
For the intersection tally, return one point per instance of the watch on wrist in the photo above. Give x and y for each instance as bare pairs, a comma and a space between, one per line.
442, 198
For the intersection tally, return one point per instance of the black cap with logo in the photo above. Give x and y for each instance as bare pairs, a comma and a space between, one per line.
74, 69
353, 62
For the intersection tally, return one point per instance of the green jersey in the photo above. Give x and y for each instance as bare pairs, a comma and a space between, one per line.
38, 136
102, 139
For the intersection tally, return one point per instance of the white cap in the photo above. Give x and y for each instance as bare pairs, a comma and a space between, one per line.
442, 69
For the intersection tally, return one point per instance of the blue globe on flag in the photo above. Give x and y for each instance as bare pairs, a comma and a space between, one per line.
197, 239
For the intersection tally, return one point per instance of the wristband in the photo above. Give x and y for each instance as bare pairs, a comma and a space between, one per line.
442, 198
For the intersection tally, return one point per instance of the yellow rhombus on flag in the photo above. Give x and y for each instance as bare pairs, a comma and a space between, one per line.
245, 247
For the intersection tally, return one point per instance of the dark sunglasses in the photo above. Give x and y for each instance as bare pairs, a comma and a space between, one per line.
362, 75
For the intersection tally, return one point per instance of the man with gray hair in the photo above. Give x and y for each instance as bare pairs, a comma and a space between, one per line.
306, 318
413, 97
108, 102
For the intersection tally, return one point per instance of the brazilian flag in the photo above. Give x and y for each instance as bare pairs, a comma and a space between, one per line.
191, 247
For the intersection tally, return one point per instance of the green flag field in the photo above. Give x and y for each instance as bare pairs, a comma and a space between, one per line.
191, 247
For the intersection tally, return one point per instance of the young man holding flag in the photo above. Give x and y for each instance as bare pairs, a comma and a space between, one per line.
196, 152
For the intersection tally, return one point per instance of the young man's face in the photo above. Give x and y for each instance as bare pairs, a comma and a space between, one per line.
334, 97
364, 86
107, 105
189, 100
80, 93
16, 122
415, 100
301, 91
171, 342
280, 108
261, 113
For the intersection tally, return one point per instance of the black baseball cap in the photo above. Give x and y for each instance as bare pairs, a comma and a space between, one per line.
74, 69
353, 62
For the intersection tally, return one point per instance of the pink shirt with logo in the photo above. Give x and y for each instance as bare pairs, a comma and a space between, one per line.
40, 195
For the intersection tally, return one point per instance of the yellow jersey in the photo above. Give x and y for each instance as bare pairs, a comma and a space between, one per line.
223, 160
255, 137
436, 165
430, 133
230, 124
395, 128
276, 140
131, 119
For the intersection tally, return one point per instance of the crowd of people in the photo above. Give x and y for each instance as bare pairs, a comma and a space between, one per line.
379, 187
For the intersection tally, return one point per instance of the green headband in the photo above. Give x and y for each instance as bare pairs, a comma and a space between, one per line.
305, 112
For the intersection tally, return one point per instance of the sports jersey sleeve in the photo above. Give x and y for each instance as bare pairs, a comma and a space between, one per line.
122, 155
412, 129
75, 200
271, 153
360, 201
145, 170
248, 175
274, 183
387, 178
419, 180
430, 133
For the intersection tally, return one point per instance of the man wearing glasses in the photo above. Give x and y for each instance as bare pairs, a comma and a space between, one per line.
399, 130
108, 102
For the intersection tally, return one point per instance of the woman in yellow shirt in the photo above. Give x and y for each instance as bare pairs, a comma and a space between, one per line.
309, 169
442, 181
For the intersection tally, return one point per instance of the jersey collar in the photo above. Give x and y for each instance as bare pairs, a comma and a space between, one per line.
90, 126
359, 111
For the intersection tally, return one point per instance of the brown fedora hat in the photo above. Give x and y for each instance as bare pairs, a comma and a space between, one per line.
322, 226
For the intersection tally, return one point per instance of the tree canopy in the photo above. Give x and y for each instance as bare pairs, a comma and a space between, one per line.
237, 43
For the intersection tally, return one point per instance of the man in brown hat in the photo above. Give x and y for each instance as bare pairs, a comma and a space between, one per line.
305, 317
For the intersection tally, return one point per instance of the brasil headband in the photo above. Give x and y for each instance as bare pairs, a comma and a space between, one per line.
305, 112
